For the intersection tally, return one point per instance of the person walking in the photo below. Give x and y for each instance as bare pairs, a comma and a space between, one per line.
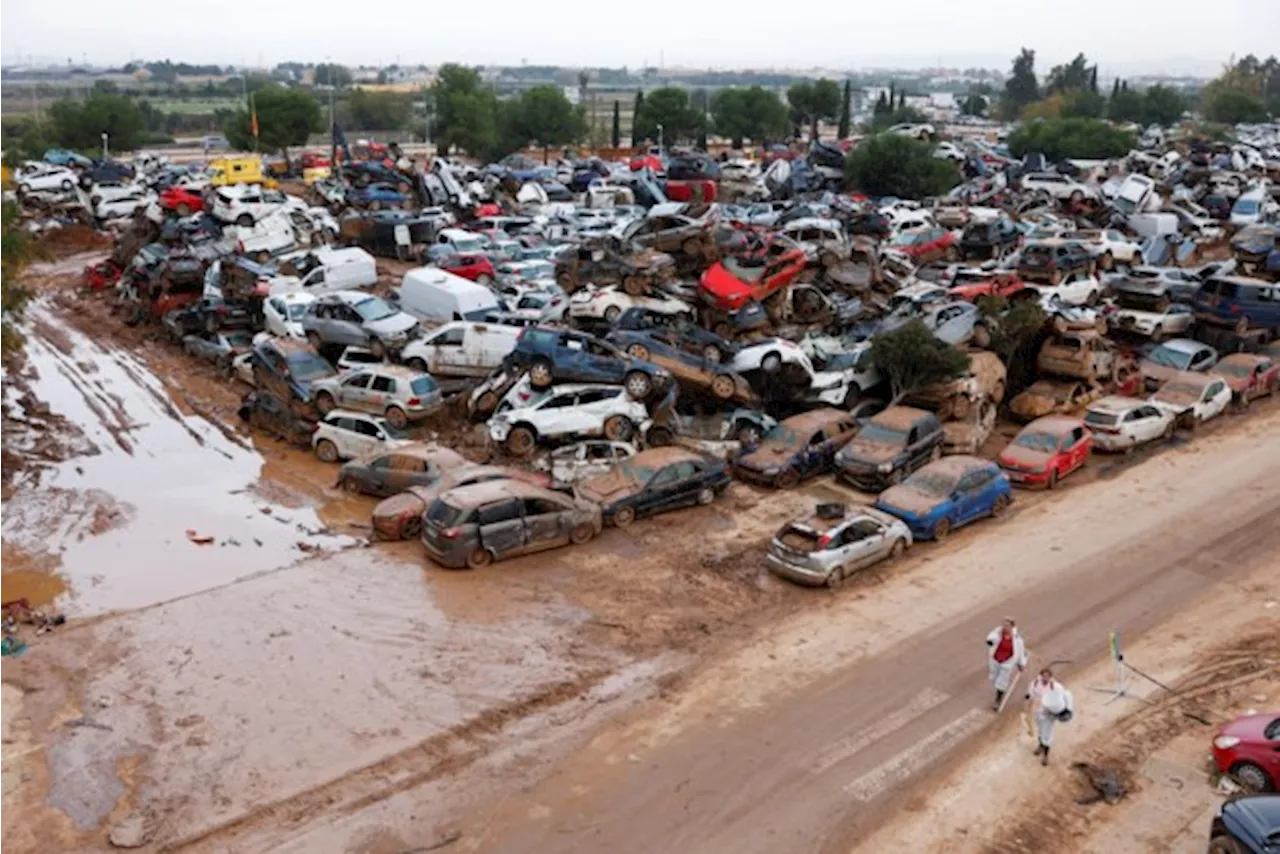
1051, 704
1006, 655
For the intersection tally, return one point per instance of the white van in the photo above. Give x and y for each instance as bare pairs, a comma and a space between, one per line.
461, 349
1135, 195
460, 241
432, 294
327, 269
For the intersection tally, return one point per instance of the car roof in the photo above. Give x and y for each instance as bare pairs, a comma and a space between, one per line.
473, 495
401, 371
899, 417
815, 418
1055, 424
958, 464
429, 451
1184, 345
1244, 359
351, 413
665, 456
1116, 403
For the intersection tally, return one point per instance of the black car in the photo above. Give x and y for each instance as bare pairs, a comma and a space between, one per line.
870, 225
985, 240
266, 412
554, 355
210, 314
890, 446
1249, 824
286, 368
655, 481
693, 337
1051, 260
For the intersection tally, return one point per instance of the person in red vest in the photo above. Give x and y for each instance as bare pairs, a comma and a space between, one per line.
1006, 656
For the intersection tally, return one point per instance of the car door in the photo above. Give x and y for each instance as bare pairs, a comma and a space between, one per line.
382, 393
1075, 449
349, 328
1202, 360
974, 501
661, 492
501, 527
1146, 423
861, 543
547, 524
1214, 400
352, 392
606, 364
367, 438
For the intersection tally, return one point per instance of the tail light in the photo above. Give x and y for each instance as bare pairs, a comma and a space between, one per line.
824, 541
413, 401
315, 427
450, 533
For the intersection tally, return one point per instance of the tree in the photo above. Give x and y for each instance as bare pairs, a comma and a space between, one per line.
1013, 324
1245, 91
81, 124
637, 111
669, 107
842, 129
1126, 105
1021, 89
1083, 103
285, 117
911, 357
1076, 138
17, 249
1163, 105
378, 110
1232, 106
974, 105
800, 102
616, 137
466, 113
755, 113
1073, 77
896, 165
332, 74
824, 104
544, 116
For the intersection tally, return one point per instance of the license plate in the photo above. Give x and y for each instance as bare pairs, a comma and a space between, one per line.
1017, 476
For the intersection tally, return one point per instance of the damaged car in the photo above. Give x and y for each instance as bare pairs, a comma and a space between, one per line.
947, 494
655, 481
1045, 451
1193, 398
799, 447
399, 517
832, 542
890, 446
398, 469
606, 260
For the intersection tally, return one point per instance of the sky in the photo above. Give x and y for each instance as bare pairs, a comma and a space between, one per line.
1123, 36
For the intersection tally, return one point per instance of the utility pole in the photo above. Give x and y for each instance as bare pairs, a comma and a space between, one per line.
333, 140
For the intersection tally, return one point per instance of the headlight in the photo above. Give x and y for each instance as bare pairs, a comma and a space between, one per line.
1225, 742
884, 468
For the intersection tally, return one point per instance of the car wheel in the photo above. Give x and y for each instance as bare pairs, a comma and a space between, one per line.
487, 403
540, 374
638, 351
692, 246
624, 516
479, 558
325, 402
712, 354
633, 285
351, 484
67, 186
748, 433
184, 209
1053, 478
1092, 299
521, 441
417, 364
1251, 777
1001, 506
771, 363
638, 384
326, 451
835, 578
397, 417
618, 428
224, 366
789, 479
722, 386
611, 315
245, 220
899, 548
659, 437
942, 529
411, 528
706, 496
483, 279
581, 534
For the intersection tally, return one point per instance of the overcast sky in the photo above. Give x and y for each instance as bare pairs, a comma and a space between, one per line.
1124, 36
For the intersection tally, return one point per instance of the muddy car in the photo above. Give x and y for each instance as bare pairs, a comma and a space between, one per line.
472, 526
802, 446
1179, 354
1084, 354
269, 414
609, 261
1049, 396
400, 516
1052, 260
834, 541
1194, 398
823, 240
663, 347
677, 229
286, 368
397, 469
583, 460
984, 381
1249, 375
890, 446
655, 481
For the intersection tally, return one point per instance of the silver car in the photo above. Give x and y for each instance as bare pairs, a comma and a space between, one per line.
352, 318
834, 541
401, 394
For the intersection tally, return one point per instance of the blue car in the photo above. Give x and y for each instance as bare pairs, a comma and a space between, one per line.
62, 157
555, 355
376, 196
946, 494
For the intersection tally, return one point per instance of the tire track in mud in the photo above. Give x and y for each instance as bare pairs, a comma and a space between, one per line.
435, 757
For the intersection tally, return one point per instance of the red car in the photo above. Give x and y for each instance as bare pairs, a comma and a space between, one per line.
477, 268
102, 275
181, 200
924, 245
1248, 749
1047, 450
735, 281
1250, 375
971, 284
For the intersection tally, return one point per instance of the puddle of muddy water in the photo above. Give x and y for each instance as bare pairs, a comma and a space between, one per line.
159, 475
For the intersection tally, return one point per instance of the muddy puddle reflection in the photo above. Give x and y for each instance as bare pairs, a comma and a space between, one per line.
166, 508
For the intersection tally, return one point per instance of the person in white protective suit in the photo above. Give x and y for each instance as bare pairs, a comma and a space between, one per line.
1006, 656
1051, 704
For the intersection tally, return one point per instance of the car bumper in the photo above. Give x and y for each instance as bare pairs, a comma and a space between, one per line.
809, 576
442, 557
1027, 479
1107, 442
755, 476
864, 481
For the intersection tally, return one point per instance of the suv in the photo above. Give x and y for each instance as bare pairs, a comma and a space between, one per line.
552, 355
1051, 260
286, 368
567, 412
1249, 824
401, 394
352, 318
1239, 302
609, 261
889, 447
1059, 186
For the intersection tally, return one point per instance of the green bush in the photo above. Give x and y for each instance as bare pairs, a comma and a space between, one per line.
894, 165
1082, 138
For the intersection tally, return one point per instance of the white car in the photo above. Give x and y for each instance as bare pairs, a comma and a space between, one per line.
272, 234
109, 191
542, 306
1174, 320
356, 358
948, 151
462, 348
1058, 186
1107, 246
1194, 396
121, 207
1124, 423
282, 313
608, 304
345, 435
1196, 220
1076, 288
840, 388
42, 177
583, 460
247, 204
567, 412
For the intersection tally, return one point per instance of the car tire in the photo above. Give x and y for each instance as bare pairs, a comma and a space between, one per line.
835, 578
638, 351
771, 363
411, 528
722, 386
623, 516
618, 428
942, 529
325, 403
326, 451
692, 246
659, 437
245, 220
479, 558
487, 403
612, 313
417, 364
898, 550
1053, 478
67, 186
633, 286
1168, 432
351, 484
711, 353
638, 384
952, 255
521, 441
581, 533
1000, 507
540, 375
706, 496
397, 417
788, 479
1252, 778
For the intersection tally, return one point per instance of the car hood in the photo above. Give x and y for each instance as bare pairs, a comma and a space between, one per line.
1251, 727
766, 456
1157, 371
1025, 457
608, 487
862, 451
393, 325
909, 500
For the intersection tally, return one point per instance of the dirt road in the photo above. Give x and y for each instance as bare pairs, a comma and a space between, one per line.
800, 743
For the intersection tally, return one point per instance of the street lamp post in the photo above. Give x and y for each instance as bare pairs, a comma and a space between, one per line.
104, 146
659, 137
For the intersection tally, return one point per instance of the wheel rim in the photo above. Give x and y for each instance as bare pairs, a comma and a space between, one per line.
1251, 777
418, 365
638, 351
611, 313
722, 387
1002, 504
350, 484
711, 353
520, 441
581, 534
624, 517
706, 496
771, 363
479, 558
397, 418
327, 451
898, 548
638, 386
834, 578
540, 375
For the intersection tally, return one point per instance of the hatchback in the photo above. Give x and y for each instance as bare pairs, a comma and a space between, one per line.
400, 394
947, 494
1124, 423
344, 435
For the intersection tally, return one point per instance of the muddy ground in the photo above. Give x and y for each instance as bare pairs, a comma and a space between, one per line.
287, 685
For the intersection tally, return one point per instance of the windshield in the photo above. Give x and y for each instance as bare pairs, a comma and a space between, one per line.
907, 240
1170, 358
467, 245
1045, 442
444, 515
1101, 419
298, 309
638, 473
882, 435
1234, 369
742, 273
373, 308
423, 385
783, 435
933, 483
307, 367
1246, 206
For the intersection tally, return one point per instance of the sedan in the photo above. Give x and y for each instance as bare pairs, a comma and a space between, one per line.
398, 469
1193, 398
1053, 396
1248, 749
655, 481
1045, 451
1124, 423
947, 494
834, 541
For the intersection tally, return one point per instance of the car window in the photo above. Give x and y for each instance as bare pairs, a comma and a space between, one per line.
966, 482
367, 428
357, 381
686, 470
861, 529
499, 511
981, 478
599, 452
818, 437
405, 462
540, 506
384, 384
665, 476
558, 402
449, 336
